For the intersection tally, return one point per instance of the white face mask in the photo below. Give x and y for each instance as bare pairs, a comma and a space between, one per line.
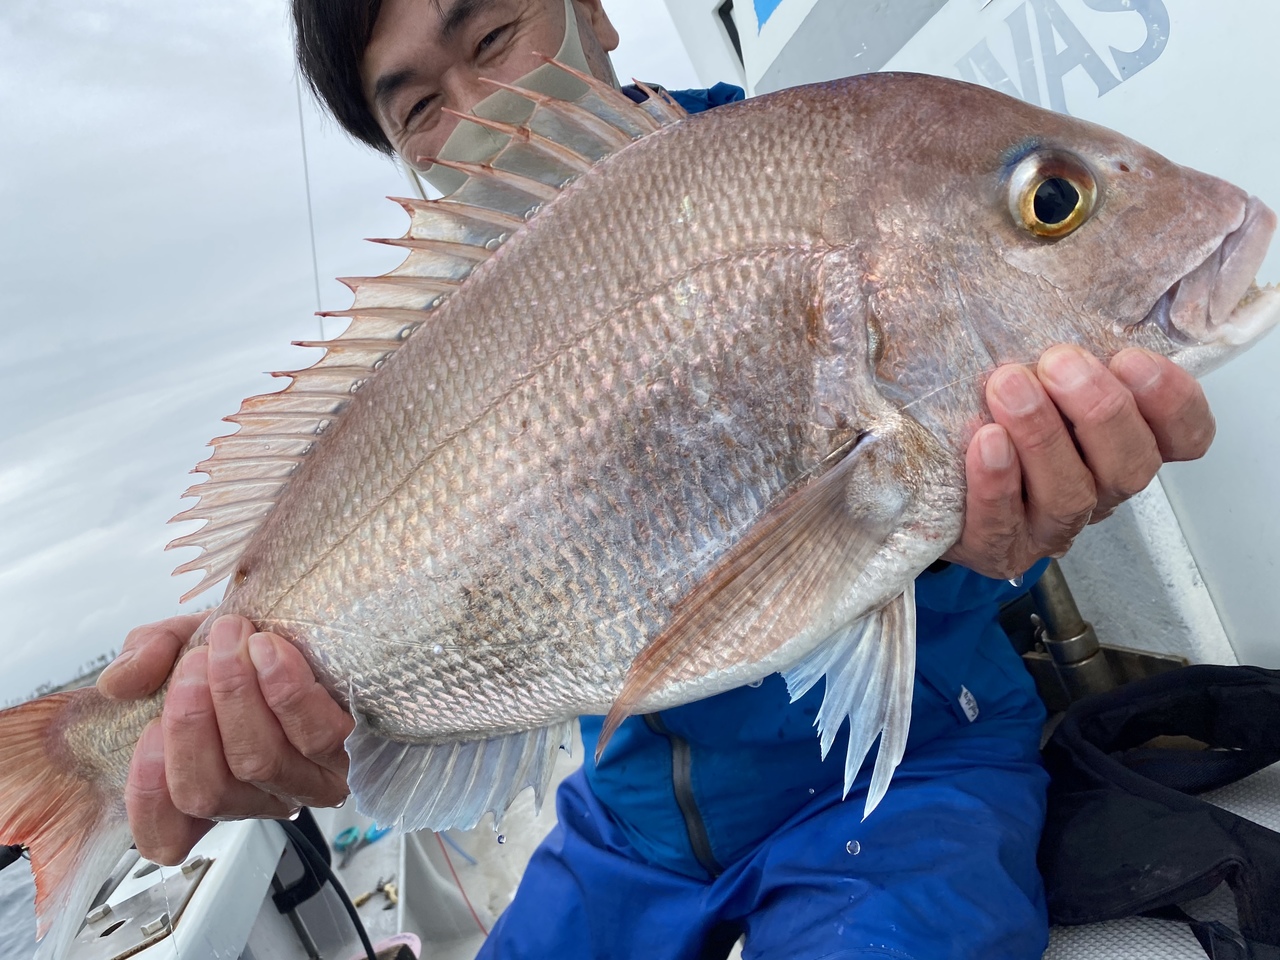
472, 143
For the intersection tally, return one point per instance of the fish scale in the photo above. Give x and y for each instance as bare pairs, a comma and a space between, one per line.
697, 417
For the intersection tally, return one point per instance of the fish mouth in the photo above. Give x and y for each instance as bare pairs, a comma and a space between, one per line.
1220, 302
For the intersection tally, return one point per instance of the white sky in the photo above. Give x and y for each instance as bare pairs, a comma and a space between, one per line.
155, 262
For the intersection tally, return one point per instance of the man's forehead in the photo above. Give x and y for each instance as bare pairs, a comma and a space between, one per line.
391, 60
438, 21
454, 15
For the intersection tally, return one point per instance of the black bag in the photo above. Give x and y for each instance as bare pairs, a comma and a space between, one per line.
1125, 833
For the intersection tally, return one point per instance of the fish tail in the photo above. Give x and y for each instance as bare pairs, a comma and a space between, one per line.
73, 825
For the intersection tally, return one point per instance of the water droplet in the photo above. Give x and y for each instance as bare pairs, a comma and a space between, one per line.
357, 385
322, 426
853, 848
404, 334
755, 684
437, 649
811, 791
1016, 581
494, 244
378, 365
502, 838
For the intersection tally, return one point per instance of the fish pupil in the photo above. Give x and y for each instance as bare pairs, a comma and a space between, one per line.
1056, 200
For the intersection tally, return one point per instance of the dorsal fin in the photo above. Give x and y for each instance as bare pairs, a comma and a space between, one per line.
447, 239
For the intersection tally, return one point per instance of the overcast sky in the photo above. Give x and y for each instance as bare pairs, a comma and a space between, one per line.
155, 262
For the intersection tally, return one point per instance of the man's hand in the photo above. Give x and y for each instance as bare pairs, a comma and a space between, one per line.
1070, 443
246, 732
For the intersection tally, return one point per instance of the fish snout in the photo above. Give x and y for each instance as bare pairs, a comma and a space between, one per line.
1219, 302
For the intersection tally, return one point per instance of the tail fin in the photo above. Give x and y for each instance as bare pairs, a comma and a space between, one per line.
73, 827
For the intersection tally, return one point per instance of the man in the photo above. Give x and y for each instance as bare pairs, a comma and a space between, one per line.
715, 818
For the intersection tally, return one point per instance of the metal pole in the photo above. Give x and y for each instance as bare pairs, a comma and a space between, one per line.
1069, 639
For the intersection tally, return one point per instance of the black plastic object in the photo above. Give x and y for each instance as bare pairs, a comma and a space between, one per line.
316, 864
9, 854
725, 13
312, 880
1126, 834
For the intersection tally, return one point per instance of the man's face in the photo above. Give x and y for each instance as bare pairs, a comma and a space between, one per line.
429, 54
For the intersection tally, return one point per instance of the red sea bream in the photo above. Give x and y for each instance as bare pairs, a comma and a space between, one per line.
657, 406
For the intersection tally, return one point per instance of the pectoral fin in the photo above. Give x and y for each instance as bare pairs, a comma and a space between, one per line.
870, 672
792, 576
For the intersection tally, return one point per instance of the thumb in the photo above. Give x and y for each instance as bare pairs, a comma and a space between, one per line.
147, 658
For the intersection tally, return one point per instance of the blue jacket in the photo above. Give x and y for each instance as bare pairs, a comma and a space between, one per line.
696, 787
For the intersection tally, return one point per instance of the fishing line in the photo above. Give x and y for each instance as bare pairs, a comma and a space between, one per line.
311, 220
465, 899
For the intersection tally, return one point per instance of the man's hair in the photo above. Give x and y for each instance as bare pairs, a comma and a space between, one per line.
331, 37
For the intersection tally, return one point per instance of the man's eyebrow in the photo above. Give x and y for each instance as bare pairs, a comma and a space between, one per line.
459, 14
389, 84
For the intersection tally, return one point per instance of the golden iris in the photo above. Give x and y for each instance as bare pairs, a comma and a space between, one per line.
1052, 193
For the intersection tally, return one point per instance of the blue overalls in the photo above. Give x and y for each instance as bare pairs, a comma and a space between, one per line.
719, 818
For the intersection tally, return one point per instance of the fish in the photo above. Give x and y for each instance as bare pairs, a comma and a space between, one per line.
655, 406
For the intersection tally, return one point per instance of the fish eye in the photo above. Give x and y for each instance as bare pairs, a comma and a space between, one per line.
1051, 194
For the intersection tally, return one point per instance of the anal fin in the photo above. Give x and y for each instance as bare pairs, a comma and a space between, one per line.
416, 786
870, 675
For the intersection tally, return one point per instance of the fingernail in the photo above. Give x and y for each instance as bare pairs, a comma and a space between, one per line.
1067, 367
151, 743
995, 449
1016, 391
1138, 369
224, 639
116, 665
263, 653
193, 668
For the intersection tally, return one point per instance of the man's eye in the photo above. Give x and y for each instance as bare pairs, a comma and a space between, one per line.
416, 109
490, 39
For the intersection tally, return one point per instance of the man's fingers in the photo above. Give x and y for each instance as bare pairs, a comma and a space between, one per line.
147, 658
160, 830
199, 780
312, 720
1060, 491
992, 542
254, 743
1118, 445
1170, 400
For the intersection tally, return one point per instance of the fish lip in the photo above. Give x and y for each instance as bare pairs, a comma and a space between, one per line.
1219, 302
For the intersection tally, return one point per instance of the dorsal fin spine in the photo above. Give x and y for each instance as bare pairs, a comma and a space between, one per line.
525, 135
228, 513
448, 247
573, 114
515, 181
